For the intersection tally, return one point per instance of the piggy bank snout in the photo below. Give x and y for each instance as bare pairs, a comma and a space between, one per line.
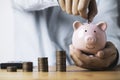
90, 39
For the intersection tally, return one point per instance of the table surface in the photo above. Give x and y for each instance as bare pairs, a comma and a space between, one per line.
72, 73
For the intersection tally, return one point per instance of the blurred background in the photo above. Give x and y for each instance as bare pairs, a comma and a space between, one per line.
6, 31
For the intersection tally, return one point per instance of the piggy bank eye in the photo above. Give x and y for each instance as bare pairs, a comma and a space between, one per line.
94, 31
85, 30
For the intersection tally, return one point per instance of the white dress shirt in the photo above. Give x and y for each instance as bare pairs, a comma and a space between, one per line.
42, 28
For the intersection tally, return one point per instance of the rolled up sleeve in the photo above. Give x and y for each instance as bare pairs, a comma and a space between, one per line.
33, 5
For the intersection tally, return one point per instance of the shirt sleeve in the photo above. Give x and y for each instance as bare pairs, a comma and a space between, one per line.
108, 12
33, 5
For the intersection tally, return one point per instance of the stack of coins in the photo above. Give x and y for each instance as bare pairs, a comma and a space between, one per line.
61, 61
43, 64
27, 66
11, 69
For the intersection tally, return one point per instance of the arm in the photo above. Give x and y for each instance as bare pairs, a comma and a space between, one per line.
106, 58
110, 15
33, 5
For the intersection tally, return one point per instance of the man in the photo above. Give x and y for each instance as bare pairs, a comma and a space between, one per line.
42, 28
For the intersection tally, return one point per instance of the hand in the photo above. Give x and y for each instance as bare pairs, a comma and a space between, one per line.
102, 60
85, 8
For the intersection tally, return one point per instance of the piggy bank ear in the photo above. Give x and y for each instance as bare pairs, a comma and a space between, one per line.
76, 25
102, 26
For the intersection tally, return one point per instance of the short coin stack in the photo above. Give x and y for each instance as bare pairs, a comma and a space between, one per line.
27, 66
11, 69
43, 64
61, 61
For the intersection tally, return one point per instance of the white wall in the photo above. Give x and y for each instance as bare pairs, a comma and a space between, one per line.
6, 31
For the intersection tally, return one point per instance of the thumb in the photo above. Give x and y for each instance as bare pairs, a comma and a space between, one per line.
100, 54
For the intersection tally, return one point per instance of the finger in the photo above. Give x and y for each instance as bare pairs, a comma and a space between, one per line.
91, 62
76, 60
87, 60
68, 6
73, 52
75, 7
95, 63
62, 4
83, 57
82, 8
71, 46
92, 10
109, 50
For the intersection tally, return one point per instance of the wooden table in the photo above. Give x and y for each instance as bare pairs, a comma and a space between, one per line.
73, 73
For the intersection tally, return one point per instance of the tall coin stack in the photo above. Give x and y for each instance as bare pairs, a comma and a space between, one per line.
43, 64
27, 66
61, 61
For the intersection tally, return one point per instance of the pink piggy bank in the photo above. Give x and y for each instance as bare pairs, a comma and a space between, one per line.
89, 38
